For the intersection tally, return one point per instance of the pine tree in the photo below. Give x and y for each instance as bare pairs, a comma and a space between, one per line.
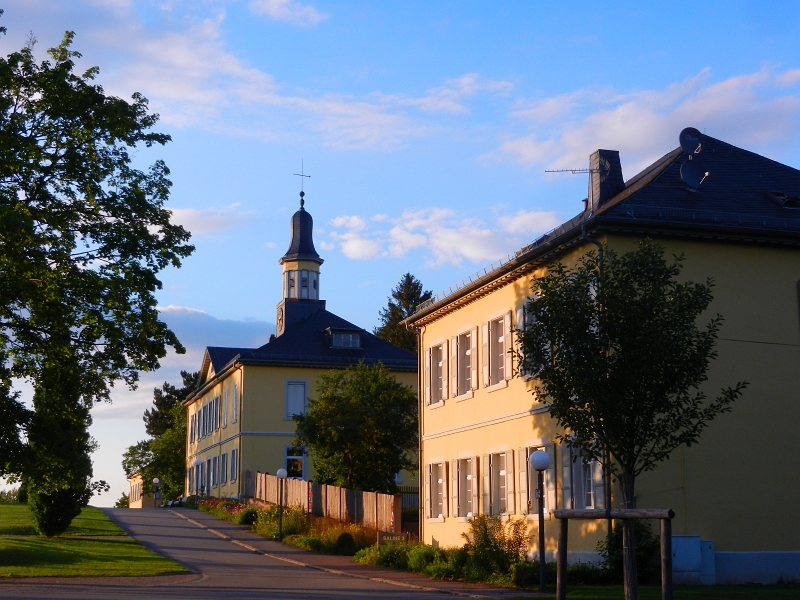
406, 296
159, 419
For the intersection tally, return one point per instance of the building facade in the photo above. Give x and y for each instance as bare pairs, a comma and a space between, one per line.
735, 216
240, 417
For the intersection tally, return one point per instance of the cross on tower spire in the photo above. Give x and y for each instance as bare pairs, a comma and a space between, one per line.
301, 175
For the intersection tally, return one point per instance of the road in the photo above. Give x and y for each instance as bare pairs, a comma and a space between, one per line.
219, 569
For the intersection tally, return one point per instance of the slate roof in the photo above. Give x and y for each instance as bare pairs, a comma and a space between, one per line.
301, 246
747, 198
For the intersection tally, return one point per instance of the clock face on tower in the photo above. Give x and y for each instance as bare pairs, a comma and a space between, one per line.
280, 319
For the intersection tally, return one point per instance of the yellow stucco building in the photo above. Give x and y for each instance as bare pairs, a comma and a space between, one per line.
240, 417
736, 217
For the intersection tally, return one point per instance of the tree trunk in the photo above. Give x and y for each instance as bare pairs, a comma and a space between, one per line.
629, 541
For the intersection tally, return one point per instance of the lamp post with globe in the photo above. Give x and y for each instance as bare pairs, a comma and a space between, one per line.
281, 473
540, 461
157, 485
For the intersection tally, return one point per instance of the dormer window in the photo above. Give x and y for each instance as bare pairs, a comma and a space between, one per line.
346, 340
783, 199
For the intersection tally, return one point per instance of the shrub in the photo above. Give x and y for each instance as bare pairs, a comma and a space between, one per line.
296, 521
53, 512
648, 553
345, 544
247, 516
421, 556
494, 546
122, 502
10, 496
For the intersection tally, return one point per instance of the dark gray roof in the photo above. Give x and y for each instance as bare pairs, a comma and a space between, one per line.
302, 245
219, 356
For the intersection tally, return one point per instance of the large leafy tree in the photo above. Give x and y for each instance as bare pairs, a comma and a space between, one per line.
361, 429
620, 359
83, 235
406, 296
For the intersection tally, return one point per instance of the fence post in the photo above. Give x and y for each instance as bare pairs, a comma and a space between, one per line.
666, 559
561, 564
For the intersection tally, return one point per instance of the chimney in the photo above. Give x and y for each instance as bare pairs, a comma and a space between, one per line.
605, 177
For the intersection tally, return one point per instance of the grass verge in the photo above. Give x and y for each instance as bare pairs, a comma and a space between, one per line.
15, 519
685, 592
65, 557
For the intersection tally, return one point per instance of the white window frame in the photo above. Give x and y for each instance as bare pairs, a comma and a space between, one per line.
214, 471
225, 409
223, 468
293, 382
346, 339
304, 458
436, 503
234, 464
464, 487
436, 375
529, 481
235, 407
497, 479
464, 364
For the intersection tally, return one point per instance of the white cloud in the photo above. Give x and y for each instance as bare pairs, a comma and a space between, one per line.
752, 110
445, 236
287, 10
208, 220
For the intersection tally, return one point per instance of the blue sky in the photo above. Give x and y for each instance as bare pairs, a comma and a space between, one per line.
426, 128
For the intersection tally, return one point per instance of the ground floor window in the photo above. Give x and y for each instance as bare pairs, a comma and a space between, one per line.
529, 480
294, 460
234, 463
464, 474
436, 491
223, 469
498, 483
189, 476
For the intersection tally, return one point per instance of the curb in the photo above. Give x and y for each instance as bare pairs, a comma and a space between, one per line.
332, 571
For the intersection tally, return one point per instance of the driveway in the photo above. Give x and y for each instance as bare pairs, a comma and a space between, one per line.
256, 568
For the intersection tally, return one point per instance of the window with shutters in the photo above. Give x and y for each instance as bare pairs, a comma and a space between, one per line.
223, 469
296, 401
225, 410
436, 374
529, 481
497, 351
583, 483
464, 473
234, 464
437, 491
190, 479
496, 347
214, 472
464, 364
235, 407
498, 483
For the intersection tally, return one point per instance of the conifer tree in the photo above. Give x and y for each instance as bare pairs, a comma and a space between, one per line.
406, 296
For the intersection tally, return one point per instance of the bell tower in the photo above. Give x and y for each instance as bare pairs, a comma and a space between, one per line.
300, 272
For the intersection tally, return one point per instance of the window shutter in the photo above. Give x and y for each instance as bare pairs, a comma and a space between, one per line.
599, 486
427, 374
454, 391
485, 353
225, 410
475, 491
507, 346
445, 503
473, 358
235, 407
519, 321
443, 355
522, 471
486, 468
510, 482
550, 479
428, 499
454, 486
566, 477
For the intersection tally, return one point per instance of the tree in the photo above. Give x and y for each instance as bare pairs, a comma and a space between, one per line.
620, 360
405, 298
361, 429
159, 419
83, 235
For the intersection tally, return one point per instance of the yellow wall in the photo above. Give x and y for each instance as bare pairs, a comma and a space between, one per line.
136, 497
726, 487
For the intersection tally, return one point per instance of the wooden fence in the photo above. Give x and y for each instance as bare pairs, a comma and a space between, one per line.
368, 509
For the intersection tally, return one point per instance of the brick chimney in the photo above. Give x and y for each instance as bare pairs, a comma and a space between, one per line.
605, 178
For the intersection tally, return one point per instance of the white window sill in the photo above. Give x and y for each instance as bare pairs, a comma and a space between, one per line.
438, 404
464, 396
435, 519
463, 519
496, 386
535, 516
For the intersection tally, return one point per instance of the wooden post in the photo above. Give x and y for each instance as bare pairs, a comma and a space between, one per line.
666, 559
561, 564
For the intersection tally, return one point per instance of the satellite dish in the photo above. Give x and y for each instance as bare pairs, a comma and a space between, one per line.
691, 140
693, 173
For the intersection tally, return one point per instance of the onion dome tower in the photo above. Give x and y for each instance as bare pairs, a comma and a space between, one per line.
300, 272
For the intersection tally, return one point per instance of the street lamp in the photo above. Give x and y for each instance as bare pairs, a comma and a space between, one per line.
540, 461
281, 473
157, 484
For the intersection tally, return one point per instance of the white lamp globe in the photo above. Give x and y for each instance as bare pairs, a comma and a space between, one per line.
281, 473
156, 480
540, 460
197, 462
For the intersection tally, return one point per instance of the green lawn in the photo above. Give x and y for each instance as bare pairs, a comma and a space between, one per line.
23, 553
65, 557
683, 592
15, 519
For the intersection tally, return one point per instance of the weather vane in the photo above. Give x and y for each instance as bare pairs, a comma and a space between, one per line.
301, 175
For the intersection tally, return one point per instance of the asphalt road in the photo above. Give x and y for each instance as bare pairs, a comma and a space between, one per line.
219, 568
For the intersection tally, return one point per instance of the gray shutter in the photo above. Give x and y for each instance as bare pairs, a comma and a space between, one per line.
454, 391
519, 321
550, 479
599, 487
485, 353
522, 471
510, 508
486, 480
507, 346
454, 486
473, 354
445, 373
475, 490
428, 499
427, 373
445, 503
566, 477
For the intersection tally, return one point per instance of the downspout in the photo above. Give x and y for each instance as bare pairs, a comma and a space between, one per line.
420, 410
607, 474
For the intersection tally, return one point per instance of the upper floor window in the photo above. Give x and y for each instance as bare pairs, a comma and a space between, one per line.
235, 407
225, 410
496, 347
436, 373
296, 403
346, 340
464, 362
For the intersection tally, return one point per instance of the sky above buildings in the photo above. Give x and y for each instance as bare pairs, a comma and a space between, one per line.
426, 128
